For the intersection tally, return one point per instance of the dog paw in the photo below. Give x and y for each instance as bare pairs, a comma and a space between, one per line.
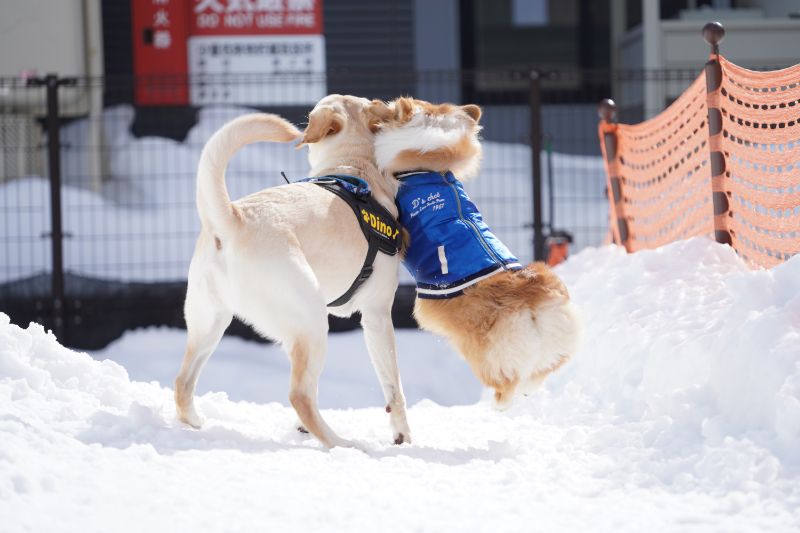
503, 400
299, 427
191, 418
399, 424
501, 407
402, 438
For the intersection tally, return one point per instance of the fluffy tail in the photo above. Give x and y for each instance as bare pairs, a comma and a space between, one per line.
213, 202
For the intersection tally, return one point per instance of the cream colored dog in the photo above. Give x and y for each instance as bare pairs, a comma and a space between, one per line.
514, 327
275, 259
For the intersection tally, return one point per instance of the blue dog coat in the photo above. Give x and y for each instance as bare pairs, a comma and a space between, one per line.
451, 247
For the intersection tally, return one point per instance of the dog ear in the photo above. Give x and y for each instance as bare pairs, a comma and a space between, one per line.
474, 112
322, 122
403, 108
378, 113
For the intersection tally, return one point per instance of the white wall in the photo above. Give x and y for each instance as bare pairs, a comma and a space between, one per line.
776, 8
766, 43
42, 35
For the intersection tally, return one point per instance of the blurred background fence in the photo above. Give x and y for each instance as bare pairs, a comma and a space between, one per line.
97, 194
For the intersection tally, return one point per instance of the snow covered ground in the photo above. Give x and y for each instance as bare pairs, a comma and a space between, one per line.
142, 224
681, 412
256, 372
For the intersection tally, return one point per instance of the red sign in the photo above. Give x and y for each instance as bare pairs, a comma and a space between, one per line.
160, 58
256, 17
161, 29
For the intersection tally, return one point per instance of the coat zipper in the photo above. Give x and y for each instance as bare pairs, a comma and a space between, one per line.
475, 229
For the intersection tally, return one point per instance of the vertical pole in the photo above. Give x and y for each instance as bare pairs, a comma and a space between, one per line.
617, 25
466, 31
93, 43
54, 162
713, 33
653, 58
551, 203
536, 163
609, 145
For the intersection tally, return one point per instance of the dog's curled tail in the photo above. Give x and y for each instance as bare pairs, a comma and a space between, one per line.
213, 202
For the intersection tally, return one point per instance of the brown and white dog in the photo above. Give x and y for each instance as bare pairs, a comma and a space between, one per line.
513, 328
275, 259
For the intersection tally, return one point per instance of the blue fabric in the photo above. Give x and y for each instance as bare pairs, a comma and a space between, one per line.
447, 233
351, 184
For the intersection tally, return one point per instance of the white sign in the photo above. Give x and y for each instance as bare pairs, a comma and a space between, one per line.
257, 69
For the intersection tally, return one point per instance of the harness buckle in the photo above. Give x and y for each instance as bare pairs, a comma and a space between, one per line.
365, 273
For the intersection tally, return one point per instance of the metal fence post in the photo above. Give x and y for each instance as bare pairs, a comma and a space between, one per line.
57, 236
536, 163
607, 111
52, 82
713, 33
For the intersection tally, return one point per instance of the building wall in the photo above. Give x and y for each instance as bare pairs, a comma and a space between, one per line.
374, 34
370, 51
773, 8
437, 49
374, 49
42, 35
374, 40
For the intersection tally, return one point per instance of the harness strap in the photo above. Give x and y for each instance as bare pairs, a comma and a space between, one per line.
374, 242
363, 276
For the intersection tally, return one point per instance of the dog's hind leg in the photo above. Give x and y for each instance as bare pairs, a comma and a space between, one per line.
382, 348
294, 313
206, 320
307, 353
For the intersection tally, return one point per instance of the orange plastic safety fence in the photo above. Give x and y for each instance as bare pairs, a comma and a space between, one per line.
761, 143
660, 171
662, 167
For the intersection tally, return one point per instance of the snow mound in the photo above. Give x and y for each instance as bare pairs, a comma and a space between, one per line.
689, 333
680, 412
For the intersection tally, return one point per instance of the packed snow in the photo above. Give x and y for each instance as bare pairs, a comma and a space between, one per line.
681, 412
141, 225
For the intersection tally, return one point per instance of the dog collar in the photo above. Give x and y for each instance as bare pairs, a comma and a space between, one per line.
352, 184
403, 174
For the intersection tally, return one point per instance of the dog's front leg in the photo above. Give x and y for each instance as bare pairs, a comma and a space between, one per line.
379, 336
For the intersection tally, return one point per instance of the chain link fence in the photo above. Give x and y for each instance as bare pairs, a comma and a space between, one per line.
98, 194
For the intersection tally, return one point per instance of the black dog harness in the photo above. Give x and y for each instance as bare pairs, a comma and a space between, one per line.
378, 225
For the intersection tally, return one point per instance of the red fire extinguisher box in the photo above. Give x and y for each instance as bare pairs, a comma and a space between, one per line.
160, 66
